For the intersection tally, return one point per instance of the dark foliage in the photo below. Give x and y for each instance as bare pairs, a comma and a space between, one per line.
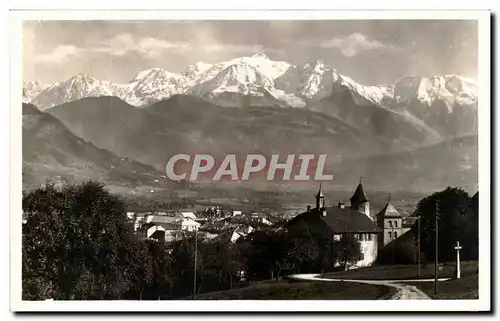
458, 221
77, 244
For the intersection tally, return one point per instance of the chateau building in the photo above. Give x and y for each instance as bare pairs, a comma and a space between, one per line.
373, 233
336, 221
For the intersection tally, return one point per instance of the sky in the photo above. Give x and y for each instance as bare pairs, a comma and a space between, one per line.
372, 52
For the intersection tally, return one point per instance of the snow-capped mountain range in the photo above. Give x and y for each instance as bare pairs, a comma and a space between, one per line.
277, 82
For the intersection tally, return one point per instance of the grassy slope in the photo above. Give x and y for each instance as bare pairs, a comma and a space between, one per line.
51, 151
401, 272
303, 291
465, 288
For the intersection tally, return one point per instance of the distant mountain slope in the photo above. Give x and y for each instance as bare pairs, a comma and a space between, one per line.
52, 152
454, 162
185, 124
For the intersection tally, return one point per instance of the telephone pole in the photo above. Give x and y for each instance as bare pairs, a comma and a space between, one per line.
436, 241
195, 262
418, 246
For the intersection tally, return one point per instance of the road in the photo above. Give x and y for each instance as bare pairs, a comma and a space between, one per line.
405, 291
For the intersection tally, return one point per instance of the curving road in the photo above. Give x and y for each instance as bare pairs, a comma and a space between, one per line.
405, 291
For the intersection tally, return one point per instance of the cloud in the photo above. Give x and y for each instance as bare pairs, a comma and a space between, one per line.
125, 43
151, 47
355, 43
58, 55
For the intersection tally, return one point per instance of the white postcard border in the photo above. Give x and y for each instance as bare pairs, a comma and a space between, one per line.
483, 304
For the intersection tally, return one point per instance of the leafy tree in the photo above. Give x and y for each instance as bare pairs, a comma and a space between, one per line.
267, 253
78, 243
181, 266
160, 283
455, 216
304, 253
348, 251
471, 234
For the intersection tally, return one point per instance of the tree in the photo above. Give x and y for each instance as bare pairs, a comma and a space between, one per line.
266, 253
304, 253
160, 283
470, 241
455, 216
181, 266
348, 251
78, 242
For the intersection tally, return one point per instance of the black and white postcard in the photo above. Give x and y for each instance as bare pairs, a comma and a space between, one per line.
313, 161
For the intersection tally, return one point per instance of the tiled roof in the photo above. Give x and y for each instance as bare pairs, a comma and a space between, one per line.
165, 219
388, 211
338, 220
359, 195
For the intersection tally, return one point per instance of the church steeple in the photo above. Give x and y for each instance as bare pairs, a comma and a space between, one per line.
320, 198
359, 201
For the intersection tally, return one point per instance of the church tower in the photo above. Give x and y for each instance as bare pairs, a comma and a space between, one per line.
359, 201
390, 222
320, 199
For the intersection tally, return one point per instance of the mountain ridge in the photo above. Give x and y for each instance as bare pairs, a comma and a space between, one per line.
309, 82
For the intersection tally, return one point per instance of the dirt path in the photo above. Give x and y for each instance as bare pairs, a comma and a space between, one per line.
405, 291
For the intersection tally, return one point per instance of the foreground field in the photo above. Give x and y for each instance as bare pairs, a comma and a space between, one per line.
465, 288
402, 272
304, 291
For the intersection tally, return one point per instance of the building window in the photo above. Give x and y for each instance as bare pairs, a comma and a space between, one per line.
390, 235
390, 224
368, 237
395, 234
361, 237
395, 223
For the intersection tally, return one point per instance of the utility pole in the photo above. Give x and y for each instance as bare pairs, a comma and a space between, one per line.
436, 241
418, 246
195, 262
393, 243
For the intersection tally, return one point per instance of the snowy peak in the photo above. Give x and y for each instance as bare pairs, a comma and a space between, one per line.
236, 78
260, 55
317, 66
450, 88
295, 86
31, 89
154, 73
194, 71
76, 87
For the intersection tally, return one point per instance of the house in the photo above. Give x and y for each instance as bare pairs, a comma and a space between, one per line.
189, 225
172, 236
171, 223
189, 215
158, 233
130, 216
336, 221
